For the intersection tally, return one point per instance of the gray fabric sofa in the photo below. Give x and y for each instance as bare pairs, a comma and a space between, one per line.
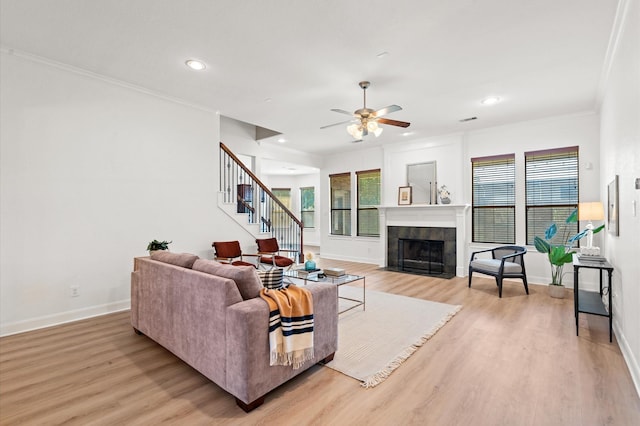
203, 319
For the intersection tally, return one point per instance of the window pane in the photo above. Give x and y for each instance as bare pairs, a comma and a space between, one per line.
307, 206
493, 190
340, 187
551, 179
308, 219
341, 222
494, 225
368, 223
368, 196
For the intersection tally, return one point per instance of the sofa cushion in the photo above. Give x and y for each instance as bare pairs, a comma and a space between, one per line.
185, 260
245, 277
271, 279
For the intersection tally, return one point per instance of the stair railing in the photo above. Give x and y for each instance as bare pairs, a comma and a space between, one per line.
242, 188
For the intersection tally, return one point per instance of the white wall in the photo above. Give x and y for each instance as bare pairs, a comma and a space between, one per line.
240, 138
353, 248
311, 236
453, 155
91, 171
580, 130
620, 153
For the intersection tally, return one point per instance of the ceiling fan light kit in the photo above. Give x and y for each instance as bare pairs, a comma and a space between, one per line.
366, 120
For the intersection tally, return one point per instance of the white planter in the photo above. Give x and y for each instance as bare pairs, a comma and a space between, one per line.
556, 291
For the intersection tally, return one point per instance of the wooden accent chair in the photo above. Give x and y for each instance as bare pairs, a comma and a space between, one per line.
227, 251
505, 262
270, 256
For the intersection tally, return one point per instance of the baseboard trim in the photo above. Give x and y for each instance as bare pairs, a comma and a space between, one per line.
63, 317
627, 354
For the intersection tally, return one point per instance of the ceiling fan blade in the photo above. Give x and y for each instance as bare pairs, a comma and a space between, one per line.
387, 110
393, 122
341, 111
336, 124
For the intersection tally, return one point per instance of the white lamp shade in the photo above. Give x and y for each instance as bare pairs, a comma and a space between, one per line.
591, 211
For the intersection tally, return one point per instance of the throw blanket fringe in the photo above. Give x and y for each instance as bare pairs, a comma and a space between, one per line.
290, 325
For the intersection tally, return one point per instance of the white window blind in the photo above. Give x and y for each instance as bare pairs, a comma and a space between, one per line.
551, 179
368, 182
340, 186
493, 192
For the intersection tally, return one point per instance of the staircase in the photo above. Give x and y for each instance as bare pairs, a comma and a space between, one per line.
250, 203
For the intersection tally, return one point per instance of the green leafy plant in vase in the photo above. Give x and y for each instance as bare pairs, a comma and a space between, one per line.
560, 254
158, 245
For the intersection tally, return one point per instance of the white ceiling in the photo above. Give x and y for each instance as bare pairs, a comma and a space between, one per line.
542, 57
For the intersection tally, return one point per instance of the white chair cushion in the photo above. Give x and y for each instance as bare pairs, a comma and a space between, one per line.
493, 265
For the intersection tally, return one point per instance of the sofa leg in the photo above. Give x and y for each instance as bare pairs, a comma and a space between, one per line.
250, 406
327, 359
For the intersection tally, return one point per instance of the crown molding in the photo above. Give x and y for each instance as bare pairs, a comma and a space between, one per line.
109, 80
622, 12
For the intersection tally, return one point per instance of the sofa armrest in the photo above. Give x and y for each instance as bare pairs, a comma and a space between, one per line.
249, 375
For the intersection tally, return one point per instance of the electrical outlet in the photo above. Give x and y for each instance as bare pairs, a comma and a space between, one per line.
75, 290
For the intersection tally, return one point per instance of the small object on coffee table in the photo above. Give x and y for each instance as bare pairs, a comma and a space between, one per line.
334, 272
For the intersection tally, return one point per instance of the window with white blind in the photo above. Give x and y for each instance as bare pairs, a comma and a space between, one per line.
551, 179
307, 206
368, 200
279, 218
340, 187
493, 192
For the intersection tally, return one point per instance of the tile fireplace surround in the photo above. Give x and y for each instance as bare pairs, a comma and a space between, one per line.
429, 216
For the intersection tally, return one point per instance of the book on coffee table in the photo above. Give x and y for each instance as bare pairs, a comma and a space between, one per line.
304, 273
334, 272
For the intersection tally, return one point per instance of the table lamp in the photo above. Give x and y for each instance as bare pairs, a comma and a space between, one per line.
590, 211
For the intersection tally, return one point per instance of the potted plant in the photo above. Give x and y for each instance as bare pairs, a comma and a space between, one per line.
560, 254
157, 245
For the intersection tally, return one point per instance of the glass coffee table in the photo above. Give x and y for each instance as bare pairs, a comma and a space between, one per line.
338, 281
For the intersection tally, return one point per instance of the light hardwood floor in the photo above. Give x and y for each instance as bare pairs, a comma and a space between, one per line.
509, 361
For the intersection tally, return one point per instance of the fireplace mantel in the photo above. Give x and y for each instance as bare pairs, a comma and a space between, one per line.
430, 215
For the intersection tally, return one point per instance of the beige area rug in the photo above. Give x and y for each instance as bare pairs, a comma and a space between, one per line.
373, 343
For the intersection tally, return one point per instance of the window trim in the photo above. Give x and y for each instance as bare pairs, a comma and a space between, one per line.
332, 208
508, 158
313, 212
550, 152
359, 209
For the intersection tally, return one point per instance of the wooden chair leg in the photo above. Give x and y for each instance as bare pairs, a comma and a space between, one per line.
499, 287
470, 274
526, 287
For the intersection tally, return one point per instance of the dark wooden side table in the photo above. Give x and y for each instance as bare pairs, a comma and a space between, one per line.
590, 302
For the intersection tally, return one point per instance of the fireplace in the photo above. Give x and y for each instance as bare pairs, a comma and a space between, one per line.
422, 250
421, 256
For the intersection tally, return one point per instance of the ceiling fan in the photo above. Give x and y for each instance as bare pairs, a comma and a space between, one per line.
365, 120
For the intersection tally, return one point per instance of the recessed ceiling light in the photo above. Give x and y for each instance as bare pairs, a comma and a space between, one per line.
382, 54
282, 140
468, 119
491, 100
194, 64
407, 133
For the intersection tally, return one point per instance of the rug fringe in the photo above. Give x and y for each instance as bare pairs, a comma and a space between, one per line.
380, 376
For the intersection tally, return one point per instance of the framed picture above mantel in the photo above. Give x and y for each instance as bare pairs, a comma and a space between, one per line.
404, 196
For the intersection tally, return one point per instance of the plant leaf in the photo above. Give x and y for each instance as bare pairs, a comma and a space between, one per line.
598, 229
550, 232
578, 236
541, 245
573, 217
558, 255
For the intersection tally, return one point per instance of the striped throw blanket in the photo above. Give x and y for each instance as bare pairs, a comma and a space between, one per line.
290, 325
